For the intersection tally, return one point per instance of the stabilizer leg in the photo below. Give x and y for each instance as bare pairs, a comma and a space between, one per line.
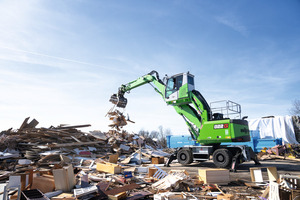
235, 162
254, 157
172, 157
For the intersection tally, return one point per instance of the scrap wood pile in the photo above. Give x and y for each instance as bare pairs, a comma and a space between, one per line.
287, 151
33, 143
98, 179
63, 162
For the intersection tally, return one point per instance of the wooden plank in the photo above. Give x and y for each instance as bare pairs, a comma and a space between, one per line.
225, 197
122, 189
23, 124
214, 176
109, 168
256, 174
64, 178
64, 196
43, 183
266, 193
157, 160
113, 158
103, 186
32, 124
23, 181
272, 173
74, 144
139, 195
72, 127
119, 196
30, 178
151, 171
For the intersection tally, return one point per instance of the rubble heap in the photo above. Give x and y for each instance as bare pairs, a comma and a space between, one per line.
64, 163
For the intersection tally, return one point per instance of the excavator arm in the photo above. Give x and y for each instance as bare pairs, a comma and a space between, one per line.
194, 116
120, 101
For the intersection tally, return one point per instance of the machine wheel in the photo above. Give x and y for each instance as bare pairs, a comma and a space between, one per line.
222, 158
184, 156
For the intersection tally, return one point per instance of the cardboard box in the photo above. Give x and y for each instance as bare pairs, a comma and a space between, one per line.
109, 168
158, 160
214, 176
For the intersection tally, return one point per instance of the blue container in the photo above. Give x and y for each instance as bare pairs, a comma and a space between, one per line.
262, 143
175, 141
257, 144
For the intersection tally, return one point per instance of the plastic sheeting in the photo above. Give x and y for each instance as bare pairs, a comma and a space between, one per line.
277, 127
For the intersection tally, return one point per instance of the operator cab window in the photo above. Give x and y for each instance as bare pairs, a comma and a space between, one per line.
190, 80
173, 84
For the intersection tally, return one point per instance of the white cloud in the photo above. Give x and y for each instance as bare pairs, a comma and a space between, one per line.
232, 22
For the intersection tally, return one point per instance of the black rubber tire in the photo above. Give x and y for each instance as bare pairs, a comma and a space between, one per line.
185, 156
222, 158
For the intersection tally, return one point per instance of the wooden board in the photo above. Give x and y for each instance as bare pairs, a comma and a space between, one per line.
64, 178
214, 176
64, 196
109, 168
113, 158
138, 195
119, 196
125, 188
152, 171
157, 160
44, 184
256, 174
225, 197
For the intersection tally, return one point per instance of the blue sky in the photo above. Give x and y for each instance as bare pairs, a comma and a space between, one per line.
60, 60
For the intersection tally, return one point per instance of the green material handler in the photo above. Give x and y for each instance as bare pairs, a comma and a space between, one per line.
207, 128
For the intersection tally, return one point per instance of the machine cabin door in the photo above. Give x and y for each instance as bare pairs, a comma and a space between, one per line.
173, 85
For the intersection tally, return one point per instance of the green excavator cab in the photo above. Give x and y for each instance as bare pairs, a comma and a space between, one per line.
178, 88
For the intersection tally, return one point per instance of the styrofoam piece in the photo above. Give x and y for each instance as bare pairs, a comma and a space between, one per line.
24, 162
142, 169
85, 191
53, 194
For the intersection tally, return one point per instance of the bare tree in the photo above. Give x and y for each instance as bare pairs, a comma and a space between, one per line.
295, 110
159, 135
163, 133
144, 133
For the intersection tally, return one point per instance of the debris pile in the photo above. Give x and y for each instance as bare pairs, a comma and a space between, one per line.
287, 151
296, 124
64, 163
